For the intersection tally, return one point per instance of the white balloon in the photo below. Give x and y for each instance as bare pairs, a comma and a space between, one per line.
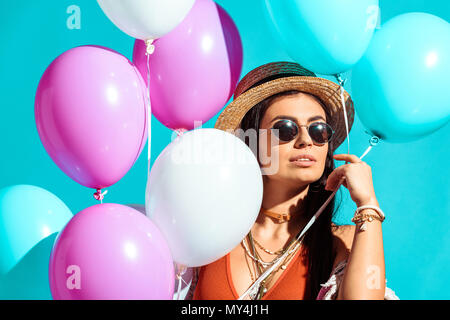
204, 193
146, 19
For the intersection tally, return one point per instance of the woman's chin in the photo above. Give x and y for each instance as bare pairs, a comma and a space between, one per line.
304, 178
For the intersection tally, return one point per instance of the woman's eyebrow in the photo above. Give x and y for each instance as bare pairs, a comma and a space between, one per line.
318, 117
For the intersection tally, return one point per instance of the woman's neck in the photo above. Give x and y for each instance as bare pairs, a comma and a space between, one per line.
282, 198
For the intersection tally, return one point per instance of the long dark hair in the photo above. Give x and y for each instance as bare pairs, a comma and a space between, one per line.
318, 240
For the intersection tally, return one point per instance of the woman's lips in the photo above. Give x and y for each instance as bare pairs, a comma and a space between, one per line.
303, 160
303, 163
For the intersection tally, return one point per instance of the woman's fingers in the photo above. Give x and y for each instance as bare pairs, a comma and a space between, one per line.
347, 157
340, 172
358, 178
335, 178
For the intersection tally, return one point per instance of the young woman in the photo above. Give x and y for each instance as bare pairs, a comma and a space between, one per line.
299, 122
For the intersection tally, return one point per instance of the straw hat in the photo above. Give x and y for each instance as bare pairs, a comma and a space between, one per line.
275, 77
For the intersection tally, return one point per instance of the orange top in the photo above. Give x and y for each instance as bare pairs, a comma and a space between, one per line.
215, 282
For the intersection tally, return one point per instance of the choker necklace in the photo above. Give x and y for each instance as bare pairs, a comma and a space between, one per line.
280, 217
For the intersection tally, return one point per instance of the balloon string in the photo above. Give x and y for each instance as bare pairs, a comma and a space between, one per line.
180, 271
373, 141
341, 89
179, 287
98, 195
150, 48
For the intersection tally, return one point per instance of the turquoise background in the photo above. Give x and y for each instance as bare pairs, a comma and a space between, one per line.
410, 179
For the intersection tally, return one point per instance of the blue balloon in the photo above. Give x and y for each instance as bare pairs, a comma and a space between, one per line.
30, 218
325, 36
401, 85
28, 279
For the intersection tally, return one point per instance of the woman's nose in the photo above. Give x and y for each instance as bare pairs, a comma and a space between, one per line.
303, 137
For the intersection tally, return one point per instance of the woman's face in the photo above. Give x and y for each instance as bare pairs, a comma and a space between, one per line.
303, 109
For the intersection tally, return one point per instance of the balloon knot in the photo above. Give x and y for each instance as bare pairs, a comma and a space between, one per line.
181, 271
340, 80
150, 48
374, 140
98, 195
180, 131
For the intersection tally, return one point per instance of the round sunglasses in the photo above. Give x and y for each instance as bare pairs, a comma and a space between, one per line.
287, 130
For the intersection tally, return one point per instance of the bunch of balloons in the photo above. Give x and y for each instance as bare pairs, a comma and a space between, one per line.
92, 111
399, 71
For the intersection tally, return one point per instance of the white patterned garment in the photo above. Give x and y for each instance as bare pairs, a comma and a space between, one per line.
330, 288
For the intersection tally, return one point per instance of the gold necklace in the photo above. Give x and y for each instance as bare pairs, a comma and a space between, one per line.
250, 269
276, 253
282, 266
264, 284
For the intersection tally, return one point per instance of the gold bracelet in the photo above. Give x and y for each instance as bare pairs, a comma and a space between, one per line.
364, 217
375, 208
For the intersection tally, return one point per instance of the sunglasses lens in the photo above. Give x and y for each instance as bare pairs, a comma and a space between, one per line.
320, 132
287, 130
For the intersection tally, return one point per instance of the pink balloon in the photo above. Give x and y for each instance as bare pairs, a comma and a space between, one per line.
111, 252
90, 112
194, 68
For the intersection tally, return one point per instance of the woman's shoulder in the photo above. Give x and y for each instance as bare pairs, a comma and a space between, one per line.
342, 241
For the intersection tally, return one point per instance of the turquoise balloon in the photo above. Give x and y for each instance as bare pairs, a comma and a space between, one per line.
28, 279
324, 36
30, 218
400, 87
